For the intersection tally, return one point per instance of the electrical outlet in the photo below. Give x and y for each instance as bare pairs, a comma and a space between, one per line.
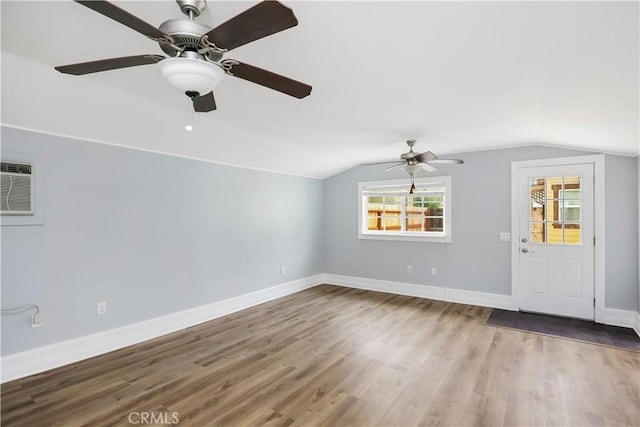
283, 270
434, 271
102, 308
37, 320
505, 237
409, 268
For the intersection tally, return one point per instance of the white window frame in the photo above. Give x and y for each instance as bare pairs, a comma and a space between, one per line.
403, 185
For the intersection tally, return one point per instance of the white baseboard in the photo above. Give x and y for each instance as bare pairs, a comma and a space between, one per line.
636, 327
483, 299
19, 365
624, 318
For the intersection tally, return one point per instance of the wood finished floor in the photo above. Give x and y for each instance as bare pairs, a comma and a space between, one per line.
340, 357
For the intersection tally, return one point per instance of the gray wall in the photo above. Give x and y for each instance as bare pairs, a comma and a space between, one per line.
476, 260
149, 234
152, 234
621, 231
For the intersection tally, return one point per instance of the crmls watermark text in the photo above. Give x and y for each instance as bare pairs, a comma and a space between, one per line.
149, 417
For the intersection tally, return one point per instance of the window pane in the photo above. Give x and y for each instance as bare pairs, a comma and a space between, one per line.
571, 183
571, 214
392, 200
537, 210
572, 234
392, 223
536, 233
434, 203
415, 201
434, 224
571, 193
392, 208
552, 212
374, 224
554, 232
537, 188
374, 214
553, 187
414, 223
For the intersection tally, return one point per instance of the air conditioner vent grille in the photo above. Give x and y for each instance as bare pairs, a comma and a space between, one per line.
16, 189
15, 168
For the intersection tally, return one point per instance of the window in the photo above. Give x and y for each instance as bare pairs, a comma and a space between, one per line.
387, 211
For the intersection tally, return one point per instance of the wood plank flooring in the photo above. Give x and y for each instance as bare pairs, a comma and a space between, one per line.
339, 357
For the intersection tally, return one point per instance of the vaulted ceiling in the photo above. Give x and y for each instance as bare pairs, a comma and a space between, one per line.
457, 76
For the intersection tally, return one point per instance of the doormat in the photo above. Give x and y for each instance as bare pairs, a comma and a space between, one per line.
575, 329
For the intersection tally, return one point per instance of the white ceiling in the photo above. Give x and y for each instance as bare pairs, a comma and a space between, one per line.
458, 76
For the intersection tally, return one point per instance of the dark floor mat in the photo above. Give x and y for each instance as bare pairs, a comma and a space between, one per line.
577, 329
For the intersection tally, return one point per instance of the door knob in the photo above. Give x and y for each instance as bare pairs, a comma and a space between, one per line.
525, 250
523, 240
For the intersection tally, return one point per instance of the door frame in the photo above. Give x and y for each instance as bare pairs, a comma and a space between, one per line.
598, 161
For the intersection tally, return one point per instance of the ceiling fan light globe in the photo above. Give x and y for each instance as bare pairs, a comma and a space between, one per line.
191, 75
411, 169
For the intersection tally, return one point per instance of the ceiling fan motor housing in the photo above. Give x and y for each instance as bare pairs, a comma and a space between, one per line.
187, 35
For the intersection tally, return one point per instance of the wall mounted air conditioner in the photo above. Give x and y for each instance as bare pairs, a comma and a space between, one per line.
16, 188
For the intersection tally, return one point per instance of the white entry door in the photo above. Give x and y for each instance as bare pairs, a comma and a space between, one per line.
556, 240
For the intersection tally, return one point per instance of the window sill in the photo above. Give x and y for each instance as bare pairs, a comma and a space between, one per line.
406, 237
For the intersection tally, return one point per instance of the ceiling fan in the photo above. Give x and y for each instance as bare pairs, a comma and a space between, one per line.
411, 162
194, 64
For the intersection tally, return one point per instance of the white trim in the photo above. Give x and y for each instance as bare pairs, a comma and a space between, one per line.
636, 325
617, 317
19, 365
598, 160
461, 296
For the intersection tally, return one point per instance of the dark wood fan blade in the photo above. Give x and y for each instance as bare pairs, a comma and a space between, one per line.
204, 103
109, 64
263, 19
112, 11
268, 79
425, 157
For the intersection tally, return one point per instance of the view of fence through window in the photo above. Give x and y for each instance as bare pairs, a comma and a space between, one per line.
395, 210
403, 213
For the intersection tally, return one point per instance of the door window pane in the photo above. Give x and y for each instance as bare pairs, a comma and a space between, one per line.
536, 234
572, 234
554, 233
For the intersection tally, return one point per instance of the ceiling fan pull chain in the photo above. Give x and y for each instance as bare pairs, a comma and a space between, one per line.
413, 186
189, 126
